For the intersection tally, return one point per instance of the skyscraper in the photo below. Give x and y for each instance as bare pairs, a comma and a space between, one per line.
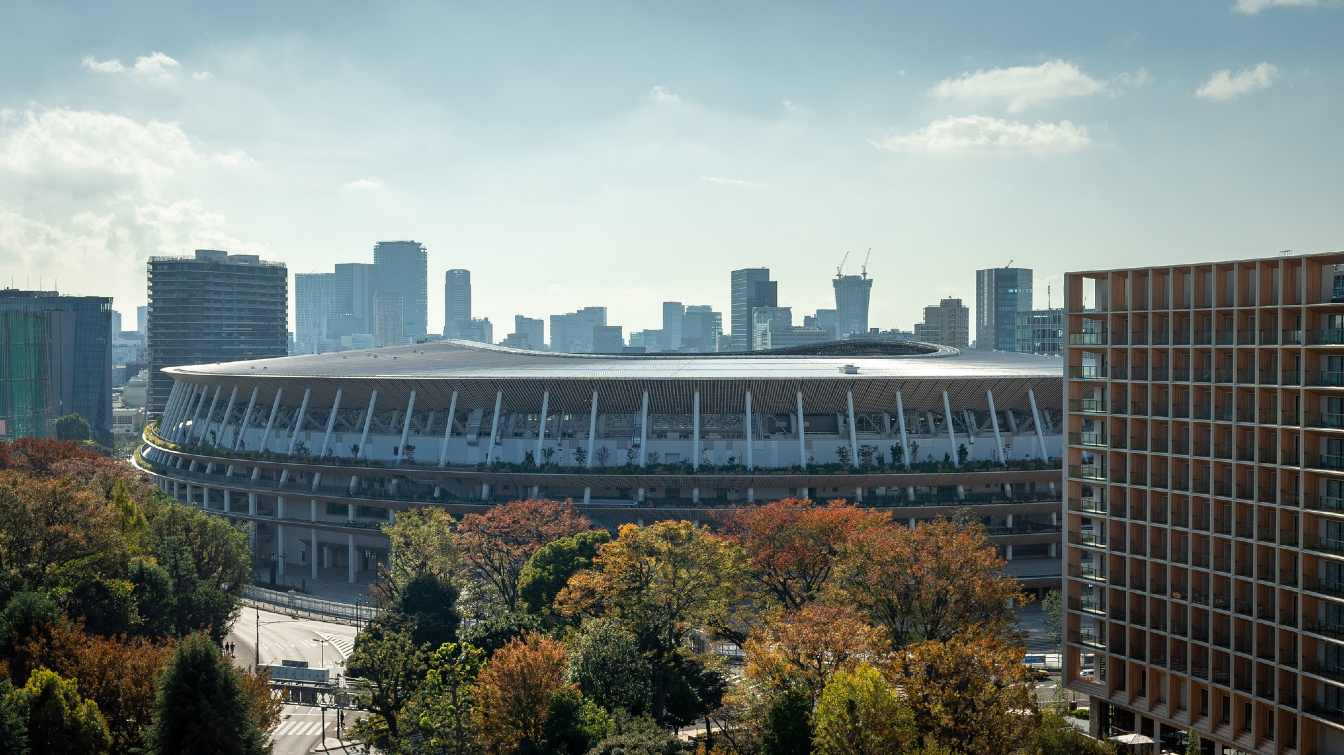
401, 268
851, 304
701, 329
674, 318
946, 323
456, 302
767, 322
142, 320
751, 288
213, 307
573, 332
352, 293
1000, 294
55, 359
314, 306
527, 333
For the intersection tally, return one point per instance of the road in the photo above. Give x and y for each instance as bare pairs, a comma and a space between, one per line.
285, 638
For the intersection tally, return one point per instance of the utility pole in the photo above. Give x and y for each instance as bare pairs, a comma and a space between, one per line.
256, 647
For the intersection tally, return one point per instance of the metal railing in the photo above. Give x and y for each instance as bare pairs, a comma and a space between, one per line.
354, 614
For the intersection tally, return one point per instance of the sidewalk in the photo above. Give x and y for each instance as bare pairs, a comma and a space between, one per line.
331, 584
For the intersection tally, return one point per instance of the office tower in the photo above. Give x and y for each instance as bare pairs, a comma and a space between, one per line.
851, 304
389, 318
946, 323
1000, 294
478, 329
142, 320
1040, 331
1204, 501
674, 320
751, 288
701, 329
573, 332
764, 321
824, 319
456, 303
608, 339
115, 324
528, 333
400, 268
314, 306
213, 307
57, 360
352, 306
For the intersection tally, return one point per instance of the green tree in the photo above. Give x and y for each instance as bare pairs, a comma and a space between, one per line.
27, 617
606, 663
859, 714
1054, 736
388, 659
497, 629
640, 736
573, 724
1051, 608
202, 706
58, 719
546, 572
13, 721
496, 543
431, 606
208, 563
1192, 743
73, 427
421, 542
437, 720
787, 728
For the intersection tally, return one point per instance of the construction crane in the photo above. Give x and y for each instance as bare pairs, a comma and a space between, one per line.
1010, 264
864, 269
840, 269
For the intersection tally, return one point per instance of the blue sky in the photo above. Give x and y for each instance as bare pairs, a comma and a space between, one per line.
573, 154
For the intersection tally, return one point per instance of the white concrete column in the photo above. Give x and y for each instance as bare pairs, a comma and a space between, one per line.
350, 555
494, 429
448, 430
183, 410
994, 421
951, 434
224, 420
280, 550
853, 433
247, 416
312, 532
592, 437
746, 425
331, 424
275, 408
1036, 417
905, 440
368, 418
170, 408
541, 428
197, 425
192, 408
406, 427
644, 429
298, 421
695, 430
802, 434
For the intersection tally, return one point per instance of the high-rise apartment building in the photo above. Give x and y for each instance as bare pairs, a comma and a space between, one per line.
55, 359
751, 288
456, 303
1204, 501
572, 333
1000, 294
389, 318
1040, 331
851, 304
674, 320
701, 329
352, 300
528, 333
947, 323
142, 320
608, 339
401, 268
213, 307
314, 306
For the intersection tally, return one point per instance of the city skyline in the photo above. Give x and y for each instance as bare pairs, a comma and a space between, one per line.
779, 145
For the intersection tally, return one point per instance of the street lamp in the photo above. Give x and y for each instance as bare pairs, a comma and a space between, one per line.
322, 651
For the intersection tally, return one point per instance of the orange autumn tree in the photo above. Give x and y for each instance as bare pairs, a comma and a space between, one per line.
513, 693
792, 545
496, 543
810, 645
929, 582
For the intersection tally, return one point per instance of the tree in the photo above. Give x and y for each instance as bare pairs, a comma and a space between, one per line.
787, 728
27, 618
421, 543
808, 647
388, 659
573, 724
606, 663
73, 427
792, 545
201, 705
208, 562
929, 582
546, 571
970, 693
1054, 617
431, 606
859, 714
497, 629
513, 693
496, 543
662, 582
640, 736
13, 720
58, 719
437, 720
1054, 736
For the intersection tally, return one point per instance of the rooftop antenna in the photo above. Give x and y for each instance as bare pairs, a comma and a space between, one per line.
839, 269
1010, 264
1047, 296
865, 261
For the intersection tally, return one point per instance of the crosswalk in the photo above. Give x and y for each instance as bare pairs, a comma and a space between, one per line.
299, 727
344, 645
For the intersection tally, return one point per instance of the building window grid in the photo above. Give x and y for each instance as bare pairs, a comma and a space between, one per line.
1256, 669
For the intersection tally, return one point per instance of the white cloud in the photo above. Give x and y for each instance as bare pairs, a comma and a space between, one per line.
1020, 87
156, 65
724, 181
1135, 80
664, 96
1254, 7
1225, 85
202, 75
364, 184
985, 134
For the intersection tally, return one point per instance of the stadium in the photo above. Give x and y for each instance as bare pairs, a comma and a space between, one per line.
315, 453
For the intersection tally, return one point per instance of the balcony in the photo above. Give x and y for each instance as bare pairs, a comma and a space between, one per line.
1088, 438
1087, 472
1325, 545
1329, 379
1087, 339
1330, 461
1088, 406
1087, 373
1326, 503
1328, 336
